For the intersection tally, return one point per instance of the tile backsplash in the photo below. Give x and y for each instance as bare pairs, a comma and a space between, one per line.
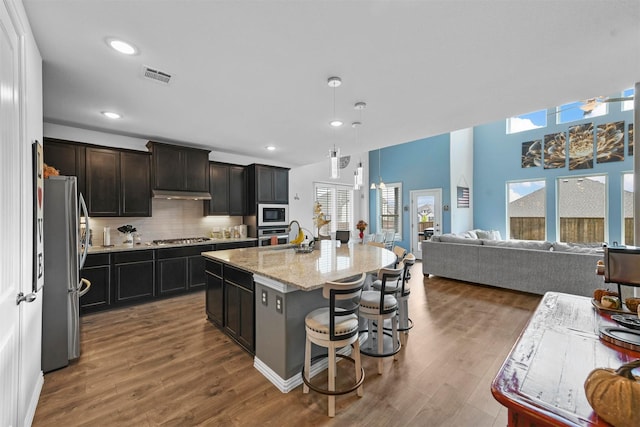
171, 219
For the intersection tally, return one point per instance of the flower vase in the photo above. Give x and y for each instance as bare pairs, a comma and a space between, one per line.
128, 239
361, 236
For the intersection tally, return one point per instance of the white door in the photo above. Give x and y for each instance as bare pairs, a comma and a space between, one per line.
426, 216
10, 249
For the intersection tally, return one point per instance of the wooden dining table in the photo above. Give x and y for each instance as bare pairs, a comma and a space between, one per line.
541, 382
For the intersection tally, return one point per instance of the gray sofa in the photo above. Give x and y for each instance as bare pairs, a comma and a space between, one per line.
522, 265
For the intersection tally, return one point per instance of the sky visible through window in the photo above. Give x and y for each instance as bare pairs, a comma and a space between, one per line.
537, 119
524, 188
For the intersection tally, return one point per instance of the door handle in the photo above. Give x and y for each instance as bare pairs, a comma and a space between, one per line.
25, 298
87, 286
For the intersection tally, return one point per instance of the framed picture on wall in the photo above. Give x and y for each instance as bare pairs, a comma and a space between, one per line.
555, 148
581, 146
610, 142
38, 217
463, 197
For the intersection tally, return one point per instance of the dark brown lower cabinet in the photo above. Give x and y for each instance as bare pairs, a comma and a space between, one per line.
134, 276
239, 310
181, 269
215, 293
142, 275
97, 269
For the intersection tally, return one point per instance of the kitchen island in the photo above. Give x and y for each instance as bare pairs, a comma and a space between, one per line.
286, 286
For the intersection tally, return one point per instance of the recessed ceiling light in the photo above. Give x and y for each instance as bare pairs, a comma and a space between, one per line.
122, 46
270, 147
335, 123
111, 115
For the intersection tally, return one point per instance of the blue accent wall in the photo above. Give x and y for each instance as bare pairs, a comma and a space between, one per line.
497, 160
418, 165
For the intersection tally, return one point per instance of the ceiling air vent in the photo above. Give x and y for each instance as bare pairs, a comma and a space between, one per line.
155, 75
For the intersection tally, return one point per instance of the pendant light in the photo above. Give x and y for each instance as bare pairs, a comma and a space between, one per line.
334, 82
381, 185
334, 155
359, 172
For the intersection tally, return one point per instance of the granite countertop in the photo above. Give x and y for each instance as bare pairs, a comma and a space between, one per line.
307, 271
151, 245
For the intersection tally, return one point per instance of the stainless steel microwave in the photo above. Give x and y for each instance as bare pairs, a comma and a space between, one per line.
273, 215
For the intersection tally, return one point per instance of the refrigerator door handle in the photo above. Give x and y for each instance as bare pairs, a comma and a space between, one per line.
81, 290
85, 244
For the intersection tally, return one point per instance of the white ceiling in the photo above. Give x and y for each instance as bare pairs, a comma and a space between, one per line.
251, 73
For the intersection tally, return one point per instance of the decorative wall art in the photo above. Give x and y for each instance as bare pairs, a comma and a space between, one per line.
555, 150
610, 142
531, 153
581, 146
463, 197
38, 217
631, 139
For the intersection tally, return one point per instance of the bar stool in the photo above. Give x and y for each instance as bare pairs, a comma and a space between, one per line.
334, 327
402, 292
404, 322
376, 306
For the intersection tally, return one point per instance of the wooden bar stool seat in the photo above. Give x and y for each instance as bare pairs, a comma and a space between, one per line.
335, 327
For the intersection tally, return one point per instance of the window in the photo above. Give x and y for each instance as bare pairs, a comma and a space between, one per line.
537, 119
336, 202
628, 105
580, 110
390, 208
526, 210
627, 208
582, 209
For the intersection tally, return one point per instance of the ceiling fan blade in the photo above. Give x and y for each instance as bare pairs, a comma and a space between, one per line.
626, 98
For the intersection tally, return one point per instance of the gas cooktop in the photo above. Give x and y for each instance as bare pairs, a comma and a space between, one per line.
181, 240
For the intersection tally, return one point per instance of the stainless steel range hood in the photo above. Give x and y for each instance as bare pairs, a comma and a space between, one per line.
181, 195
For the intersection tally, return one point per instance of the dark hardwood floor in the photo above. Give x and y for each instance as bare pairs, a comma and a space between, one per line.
163, 363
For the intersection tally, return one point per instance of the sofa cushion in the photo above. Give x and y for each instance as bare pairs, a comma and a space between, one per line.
586, 248
470, 234
450, 238
488, 234
519, 244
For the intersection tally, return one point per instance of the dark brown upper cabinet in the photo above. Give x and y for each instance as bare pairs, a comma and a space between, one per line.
267, 184
177, 168
227, 188
118, 183
67, 157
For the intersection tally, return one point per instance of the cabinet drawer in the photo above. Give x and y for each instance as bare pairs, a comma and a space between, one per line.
239, 277
183, 251
213, 267
234, 245
97, 259
132, 256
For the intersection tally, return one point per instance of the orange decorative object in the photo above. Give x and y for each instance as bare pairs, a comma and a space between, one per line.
48, 171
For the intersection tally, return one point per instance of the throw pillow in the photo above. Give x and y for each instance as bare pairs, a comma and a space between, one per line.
482, 234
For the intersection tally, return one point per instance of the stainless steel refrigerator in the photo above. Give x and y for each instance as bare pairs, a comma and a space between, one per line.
64, 256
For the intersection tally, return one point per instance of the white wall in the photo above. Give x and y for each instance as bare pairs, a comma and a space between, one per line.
301, 181
30, 372
461, 155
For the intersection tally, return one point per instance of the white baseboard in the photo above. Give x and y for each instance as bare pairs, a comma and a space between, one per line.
285, 386
33, 402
